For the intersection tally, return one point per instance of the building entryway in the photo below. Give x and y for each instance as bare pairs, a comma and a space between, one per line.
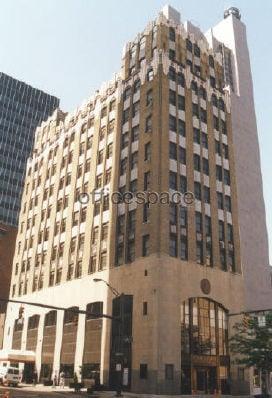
28, 374
205, 380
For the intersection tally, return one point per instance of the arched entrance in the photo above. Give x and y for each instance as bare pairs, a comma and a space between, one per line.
204, 347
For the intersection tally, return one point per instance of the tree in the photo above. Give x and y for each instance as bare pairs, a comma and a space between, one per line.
252, 341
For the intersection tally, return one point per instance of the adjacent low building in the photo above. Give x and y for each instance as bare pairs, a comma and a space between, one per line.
168, 125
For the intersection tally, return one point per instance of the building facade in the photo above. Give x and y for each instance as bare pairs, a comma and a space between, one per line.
7, 246
161, 130
22, 109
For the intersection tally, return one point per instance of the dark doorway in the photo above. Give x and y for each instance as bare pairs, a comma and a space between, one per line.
206, 380
121, 338
28, 375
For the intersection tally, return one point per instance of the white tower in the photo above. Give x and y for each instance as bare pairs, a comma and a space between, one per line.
231, 32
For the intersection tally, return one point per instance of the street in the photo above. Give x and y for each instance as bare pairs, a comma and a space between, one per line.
25, 393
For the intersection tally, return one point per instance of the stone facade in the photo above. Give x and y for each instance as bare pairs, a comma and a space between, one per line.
163, 125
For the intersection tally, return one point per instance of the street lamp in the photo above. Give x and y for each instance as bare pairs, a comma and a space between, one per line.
114, 291
118, 366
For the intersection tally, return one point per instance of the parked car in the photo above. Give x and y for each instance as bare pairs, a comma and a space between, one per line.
9, 376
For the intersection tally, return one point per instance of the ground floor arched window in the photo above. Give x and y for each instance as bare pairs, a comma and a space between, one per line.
204, 346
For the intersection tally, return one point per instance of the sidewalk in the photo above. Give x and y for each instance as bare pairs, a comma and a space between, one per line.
108, 394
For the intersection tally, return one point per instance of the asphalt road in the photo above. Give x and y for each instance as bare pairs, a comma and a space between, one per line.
22, 393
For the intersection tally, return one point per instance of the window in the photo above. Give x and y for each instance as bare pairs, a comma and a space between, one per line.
182, 155
221, 231
211, 61
125, 115
208, 226
133, 186
173, 245
147, 180
145, 308
197, 186
145, 246
103, 112
228, 203
198, 222
173, 213
183, 248
149, 97
137, 85
147, 151
148, 124
99, 180
123, 166
196, 162
100, 157
225, 151
230, 233
203, 115
207, 196
172, 34
217, 147
181, 102
124, 140
135, 108
220, 200
189, 45
143, 371
169, 372
204, 139
202, 93
96, 208
196, 136
205, 166
134, 160
199, 252
183, 184
172, 180
146, 212
212, 82
172, 74
150, 75
135, 133
219, 173
127, 93
181, 128
195, 110
172, 97
181, 79
172, 123
226, 177
172, 151
172, 54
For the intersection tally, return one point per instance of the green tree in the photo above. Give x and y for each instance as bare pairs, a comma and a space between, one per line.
252, 342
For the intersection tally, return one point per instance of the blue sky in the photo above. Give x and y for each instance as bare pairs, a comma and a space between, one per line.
69, 47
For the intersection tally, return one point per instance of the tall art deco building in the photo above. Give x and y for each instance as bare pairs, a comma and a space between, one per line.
179, 117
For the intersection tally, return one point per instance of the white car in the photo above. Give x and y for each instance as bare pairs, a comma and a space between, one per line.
9, 376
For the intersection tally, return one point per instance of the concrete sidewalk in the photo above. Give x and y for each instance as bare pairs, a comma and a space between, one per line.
108, 394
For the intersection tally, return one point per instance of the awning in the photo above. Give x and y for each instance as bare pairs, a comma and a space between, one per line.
17, 356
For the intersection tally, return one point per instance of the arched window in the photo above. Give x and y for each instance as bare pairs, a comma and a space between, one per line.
71, 315
204, 337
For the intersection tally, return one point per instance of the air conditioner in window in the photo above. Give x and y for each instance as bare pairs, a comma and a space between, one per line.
222, 244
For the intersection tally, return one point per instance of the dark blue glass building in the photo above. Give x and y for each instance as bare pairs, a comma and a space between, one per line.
22, 109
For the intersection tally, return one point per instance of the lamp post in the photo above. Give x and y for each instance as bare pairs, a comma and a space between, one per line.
118, 366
